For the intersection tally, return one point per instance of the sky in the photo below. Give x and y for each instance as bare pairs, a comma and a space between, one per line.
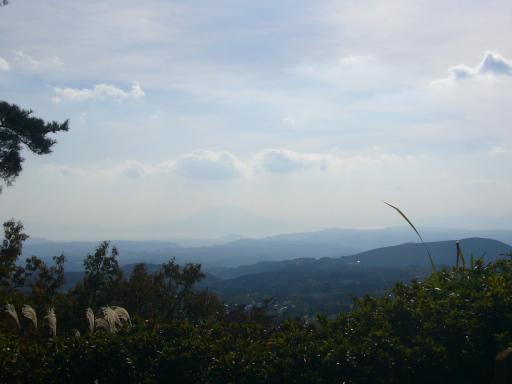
311, 112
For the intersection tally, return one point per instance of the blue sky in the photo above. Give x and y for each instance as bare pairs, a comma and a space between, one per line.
309, 112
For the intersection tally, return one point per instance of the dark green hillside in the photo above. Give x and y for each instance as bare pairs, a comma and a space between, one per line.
443, 253
403, 255
308, 286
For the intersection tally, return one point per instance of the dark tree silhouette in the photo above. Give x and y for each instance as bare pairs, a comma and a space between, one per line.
18, 128
11, 275
44, 281
103, 277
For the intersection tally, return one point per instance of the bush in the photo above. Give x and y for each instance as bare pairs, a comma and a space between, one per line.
447, 328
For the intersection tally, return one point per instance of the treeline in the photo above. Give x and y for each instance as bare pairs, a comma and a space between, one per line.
447, 328
168, 294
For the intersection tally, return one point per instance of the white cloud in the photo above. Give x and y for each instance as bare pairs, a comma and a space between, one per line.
223, 165
208, 165
493, 64
134, 169
198, 165
283, 161
286, 161
4, 65
28, 62
352, 72
98, 92
498, 151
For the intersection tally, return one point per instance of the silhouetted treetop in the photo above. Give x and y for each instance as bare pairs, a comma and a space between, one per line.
17, 128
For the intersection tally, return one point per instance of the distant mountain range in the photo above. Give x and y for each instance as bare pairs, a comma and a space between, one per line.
215, 258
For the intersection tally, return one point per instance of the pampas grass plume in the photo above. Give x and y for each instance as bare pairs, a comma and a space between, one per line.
122, 314
111, 317
52, 322
30, 314
11, 310
102, 323
90, 318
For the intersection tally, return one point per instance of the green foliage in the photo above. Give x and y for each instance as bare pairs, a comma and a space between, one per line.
447, 328
103, 278
17, 128
44, 281
11, 275
168, 294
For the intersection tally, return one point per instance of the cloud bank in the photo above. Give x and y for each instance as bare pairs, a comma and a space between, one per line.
98, 92
286, 161
222, 165
208, 165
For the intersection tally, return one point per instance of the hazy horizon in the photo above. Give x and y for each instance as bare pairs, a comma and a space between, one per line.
223, 224
306, 113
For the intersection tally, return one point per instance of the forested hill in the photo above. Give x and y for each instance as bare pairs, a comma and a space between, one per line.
403, 255
443, 253
308, 286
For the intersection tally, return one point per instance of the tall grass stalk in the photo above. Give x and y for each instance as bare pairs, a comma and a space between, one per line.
460, 255
417, 233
